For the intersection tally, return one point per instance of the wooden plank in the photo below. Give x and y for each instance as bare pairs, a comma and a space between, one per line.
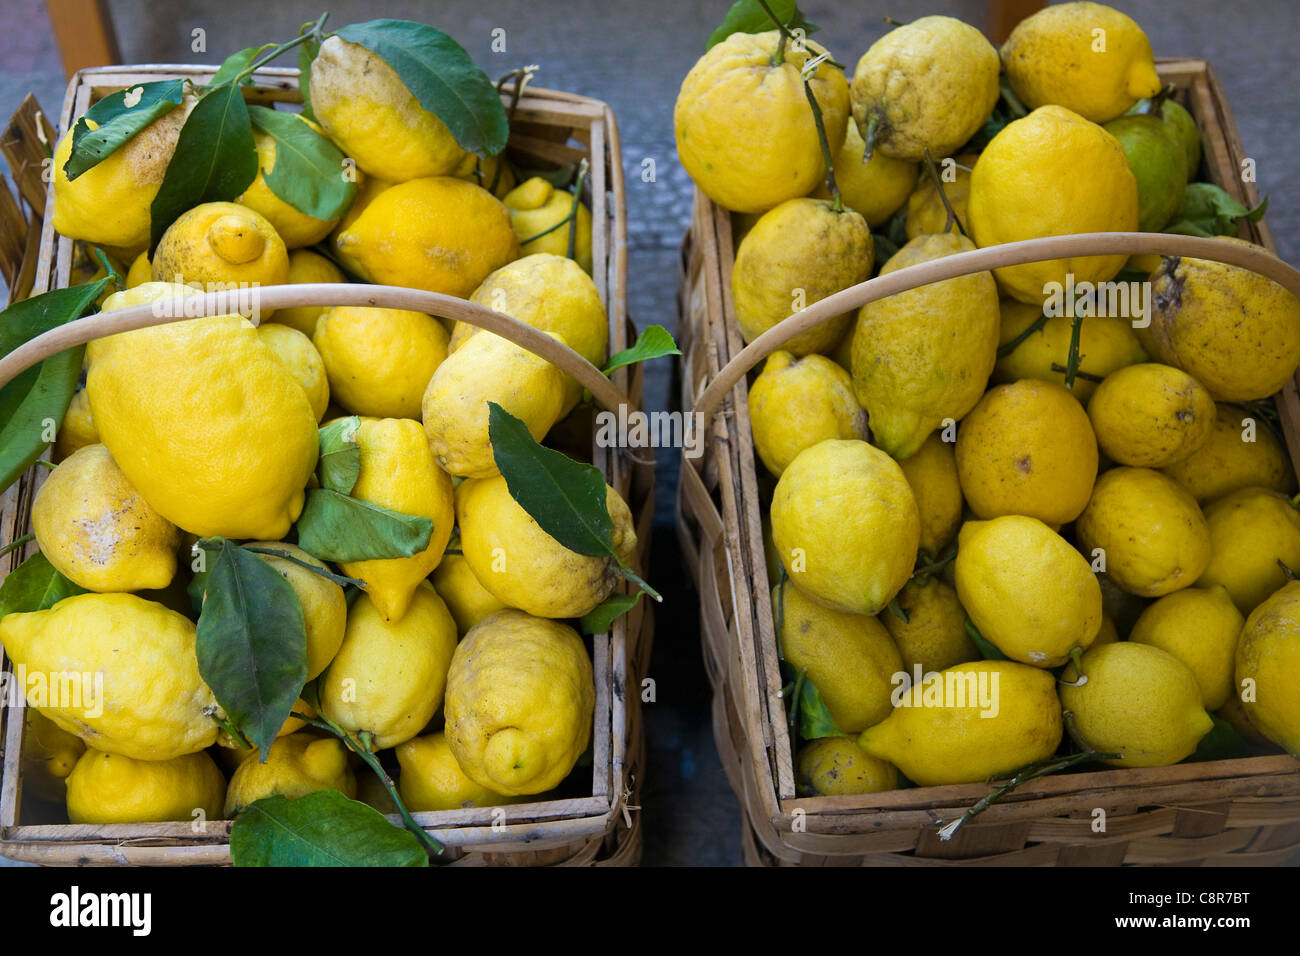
83, 30
26, 143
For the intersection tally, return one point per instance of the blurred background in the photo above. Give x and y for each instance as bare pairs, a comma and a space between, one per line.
634, 57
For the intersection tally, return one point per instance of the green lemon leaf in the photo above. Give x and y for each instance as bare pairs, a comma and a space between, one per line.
565, 497
34, 403
815, 720
306, 56
335, 527
214, 160
442, 77
117, 122
308, 172
599, 619
323, 828
237, 63
748, 16
654, 342
340, 455
1222, 742
986, 647
1208, 211
252, 641
34, 586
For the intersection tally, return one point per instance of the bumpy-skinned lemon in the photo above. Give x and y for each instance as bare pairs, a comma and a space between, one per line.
1138, 701
379, 361
520, 699
970, 722
488, 368
367, 190
1159, 165
1106, 343
1026, 185
307, 267
926, 212
1268, 668
49, 754
109, 203
214, 452
932, 475
388, 677
440, 234
1251, 530
522, 565
110, 788
845, 525
797, 254
850, 658
141, 271
432, 779
295, 227
745, 132
1200, 627
537, 207
934, 635
375, 119
877, 187
77, 429
924, 356
298, 764
398, 472
1151, 415
837, 766
221, 245
1027, 449
1234, 331
296, 353
1087, 57
484, 172
797, 402
120, 672
1026, 589
324, 608
1240, 452
466, 598
98, 530
929, 84
1152, 532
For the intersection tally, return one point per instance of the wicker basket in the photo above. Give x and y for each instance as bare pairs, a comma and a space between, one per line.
1244, 811
548, 128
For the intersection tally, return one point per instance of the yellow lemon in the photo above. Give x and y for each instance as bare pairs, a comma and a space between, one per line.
1200, 627
49, 754
484, 172
520, 700
850, 658
379, 361
118, 671
141, 271
744, 130
932, 475
1268, 667
876, 188
295, 227
1239, 453
1036, 159
432, 779
846, 526
295, 352
307, 267
324, 608
1251, 530
232, 752
926, 213
1087, 57
398, 472
367, 190
934, 636
110, 788
221, 245
837, 766
536, 210
797, 402
1151, 415
298, 764
466, 598
98, 531
77, 429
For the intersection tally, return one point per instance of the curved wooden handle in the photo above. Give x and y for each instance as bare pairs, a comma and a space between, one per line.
81, 331
991, 257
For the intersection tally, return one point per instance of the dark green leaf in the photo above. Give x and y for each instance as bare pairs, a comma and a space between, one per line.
43, 392
214, 161
815, 720
237, 63
340, 455
306, 56
653, 342
1207, 211
748, 16
565, 497
308, 172
442, 77
1223, 742
323, 828
34, 586
252, 641
335, 527
603, 615
986, 647
117, 122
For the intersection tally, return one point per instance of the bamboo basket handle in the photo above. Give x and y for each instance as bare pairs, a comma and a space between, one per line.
81, 331
1254, 258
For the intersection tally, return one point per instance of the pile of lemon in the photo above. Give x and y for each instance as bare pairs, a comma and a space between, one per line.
1078, 550
458, 657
